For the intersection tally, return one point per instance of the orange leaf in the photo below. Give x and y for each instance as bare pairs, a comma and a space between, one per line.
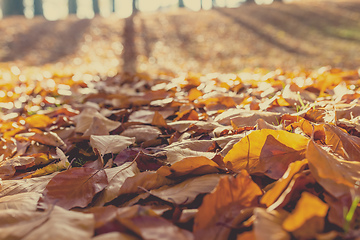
39, 121
336, 175
308, 217
274, 193
158, 120
266, 151
190, 165
194, 93
64, 191
223, 205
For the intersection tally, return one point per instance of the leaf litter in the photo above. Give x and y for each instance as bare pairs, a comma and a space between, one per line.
255, 155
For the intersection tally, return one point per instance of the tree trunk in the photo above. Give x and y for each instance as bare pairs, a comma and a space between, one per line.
38, 8
181, 4
113, 8
72, 6
96, 7
134, 6
12, 7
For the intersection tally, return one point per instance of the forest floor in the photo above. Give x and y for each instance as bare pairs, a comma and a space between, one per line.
292, 36
91, 144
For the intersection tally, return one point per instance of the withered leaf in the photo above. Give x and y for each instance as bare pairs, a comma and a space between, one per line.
308, 217
110, 143
190, 166
186, 191
220, 207
63, 191
266, 151
336, 175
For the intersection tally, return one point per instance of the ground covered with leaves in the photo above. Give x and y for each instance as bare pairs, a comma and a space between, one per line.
271, 155
88, 151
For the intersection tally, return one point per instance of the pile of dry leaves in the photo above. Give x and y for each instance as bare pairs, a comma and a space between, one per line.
265, 155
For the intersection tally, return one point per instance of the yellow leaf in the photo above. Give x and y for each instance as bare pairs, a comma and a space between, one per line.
39, 121
51, 168
273, 194
267, 151
309, 209
190, 165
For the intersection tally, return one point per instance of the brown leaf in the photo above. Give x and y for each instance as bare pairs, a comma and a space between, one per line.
16, 224
8, 166
86, 118
47, 138
342, 143
221, 207
97, 127
63, 224
268, 224
186, 191
144, 180
35, 185
110, 143
22, 201
141, 133
63, 191
116, 177
152, 227
337, 176
115, 236
243, 118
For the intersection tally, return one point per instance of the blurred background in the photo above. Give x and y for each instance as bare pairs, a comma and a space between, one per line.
173, 36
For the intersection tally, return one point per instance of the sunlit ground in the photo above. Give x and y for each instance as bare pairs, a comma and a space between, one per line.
58, 9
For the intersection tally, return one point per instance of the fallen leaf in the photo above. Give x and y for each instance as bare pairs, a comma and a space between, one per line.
337, 176
63, 191
17, 224
86, 118
190, 166
186, 191
273, 194
221, 207
268, 224
8, 166
26, 201
144, 180
243, 118
342, 143
110, 143
152, 227
266, 151
308, 217
115, 236
141, 133
35, 185
47, 138
116, 177
39, 121
97, 127
64, 225
158, 120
